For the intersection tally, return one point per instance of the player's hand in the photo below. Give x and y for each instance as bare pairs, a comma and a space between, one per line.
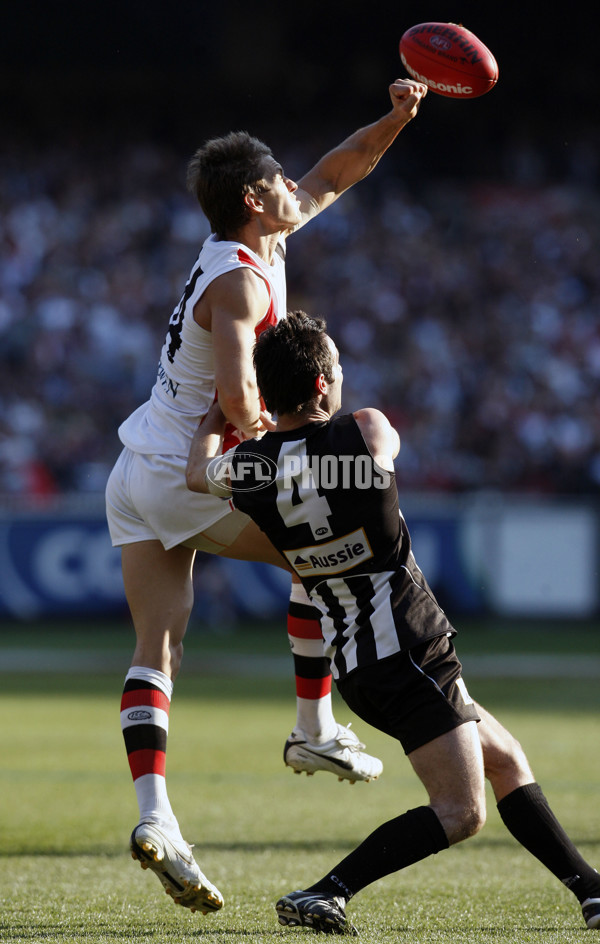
406, 96
264, 425
267, 424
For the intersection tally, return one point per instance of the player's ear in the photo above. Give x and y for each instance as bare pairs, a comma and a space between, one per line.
321, 385
254, 201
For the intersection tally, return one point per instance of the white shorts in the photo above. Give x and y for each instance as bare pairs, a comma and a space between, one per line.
147, 499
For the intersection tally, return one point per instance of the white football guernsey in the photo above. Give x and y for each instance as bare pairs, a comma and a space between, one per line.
185, 383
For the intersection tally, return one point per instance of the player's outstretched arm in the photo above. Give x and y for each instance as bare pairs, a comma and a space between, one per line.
356, 157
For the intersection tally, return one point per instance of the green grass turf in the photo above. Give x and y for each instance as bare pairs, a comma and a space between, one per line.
68, 807
480, 635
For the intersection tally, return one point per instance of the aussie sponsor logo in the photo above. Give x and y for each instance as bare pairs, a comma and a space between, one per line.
457, 88
333, 557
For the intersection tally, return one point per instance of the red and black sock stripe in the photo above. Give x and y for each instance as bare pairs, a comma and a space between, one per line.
144, 720
311, 667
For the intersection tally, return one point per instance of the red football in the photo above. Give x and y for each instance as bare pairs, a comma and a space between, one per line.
449, 59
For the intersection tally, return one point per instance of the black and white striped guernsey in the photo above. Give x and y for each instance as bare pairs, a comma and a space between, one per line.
333, 514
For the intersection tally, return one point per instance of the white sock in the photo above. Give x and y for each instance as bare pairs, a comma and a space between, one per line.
314, 713
145, 725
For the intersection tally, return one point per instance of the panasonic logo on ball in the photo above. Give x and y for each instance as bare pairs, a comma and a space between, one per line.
333, 557
456, 89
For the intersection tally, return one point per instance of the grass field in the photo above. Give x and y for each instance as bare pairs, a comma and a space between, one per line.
68, 805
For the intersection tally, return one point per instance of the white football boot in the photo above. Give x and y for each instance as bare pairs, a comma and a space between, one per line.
172, 862
342, 755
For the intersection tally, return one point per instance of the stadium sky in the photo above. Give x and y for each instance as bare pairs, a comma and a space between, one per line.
190, 69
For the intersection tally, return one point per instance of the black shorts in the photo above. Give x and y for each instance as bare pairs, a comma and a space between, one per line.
414, 696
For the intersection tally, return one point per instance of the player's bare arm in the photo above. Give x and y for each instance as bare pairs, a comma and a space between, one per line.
380, 436
356, 157
230, 309
206, 446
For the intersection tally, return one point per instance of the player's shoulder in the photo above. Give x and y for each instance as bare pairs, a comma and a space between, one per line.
221, 256
371, 418
238, 286
378, 433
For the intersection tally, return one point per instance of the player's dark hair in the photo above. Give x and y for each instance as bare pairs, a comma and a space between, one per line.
288, 358
221, 173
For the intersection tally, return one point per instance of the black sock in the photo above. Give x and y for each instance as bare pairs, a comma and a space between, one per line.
392, 846
526, 814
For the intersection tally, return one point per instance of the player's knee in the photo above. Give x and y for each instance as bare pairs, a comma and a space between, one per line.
462, 818
475, 817
469, 821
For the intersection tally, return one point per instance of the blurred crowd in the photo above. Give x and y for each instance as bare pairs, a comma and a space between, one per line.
468, 311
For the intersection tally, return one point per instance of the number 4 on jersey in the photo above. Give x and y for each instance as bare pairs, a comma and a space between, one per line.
298, 500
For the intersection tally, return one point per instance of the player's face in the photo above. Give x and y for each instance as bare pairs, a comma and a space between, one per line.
279, 201
334, 391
